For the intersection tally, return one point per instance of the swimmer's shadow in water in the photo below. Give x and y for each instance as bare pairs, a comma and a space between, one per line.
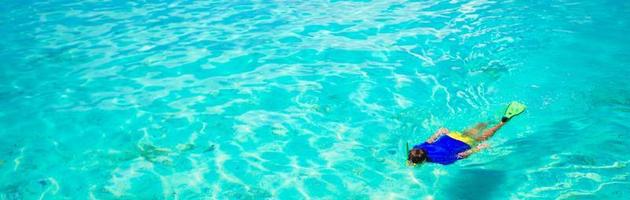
473, 184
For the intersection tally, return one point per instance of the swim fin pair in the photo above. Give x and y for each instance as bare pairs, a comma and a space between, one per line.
515, 108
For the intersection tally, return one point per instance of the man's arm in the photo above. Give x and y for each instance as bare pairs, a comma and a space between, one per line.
476, 149
437, 135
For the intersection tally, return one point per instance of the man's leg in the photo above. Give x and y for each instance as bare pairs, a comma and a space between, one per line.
472, 132
490, 132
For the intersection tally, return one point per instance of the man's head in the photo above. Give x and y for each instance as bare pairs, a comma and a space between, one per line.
416, 156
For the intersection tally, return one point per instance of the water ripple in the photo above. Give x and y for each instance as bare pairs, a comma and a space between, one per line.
309, 100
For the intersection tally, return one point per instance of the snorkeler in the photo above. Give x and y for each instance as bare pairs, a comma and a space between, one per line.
445, 147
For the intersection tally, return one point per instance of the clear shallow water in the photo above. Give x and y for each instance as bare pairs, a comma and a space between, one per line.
311, 100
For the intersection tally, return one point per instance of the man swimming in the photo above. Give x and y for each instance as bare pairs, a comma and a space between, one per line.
445, 147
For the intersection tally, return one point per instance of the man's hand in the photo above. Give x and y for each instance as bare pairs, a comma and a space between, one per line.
479, 147
437, 135
462, 155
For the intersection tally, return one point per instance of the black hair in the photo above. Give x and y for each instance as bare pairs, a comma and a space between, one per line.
416, 156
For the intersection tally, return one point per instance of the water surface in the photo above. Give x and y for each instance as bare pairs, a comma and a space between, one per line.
311, 100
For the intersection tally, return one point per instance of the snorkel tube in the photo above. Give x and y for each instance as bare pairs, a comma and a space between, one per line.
407, 152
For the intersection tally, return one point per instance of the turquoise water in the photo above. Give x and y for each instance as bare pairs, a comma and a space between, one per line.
311, 100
